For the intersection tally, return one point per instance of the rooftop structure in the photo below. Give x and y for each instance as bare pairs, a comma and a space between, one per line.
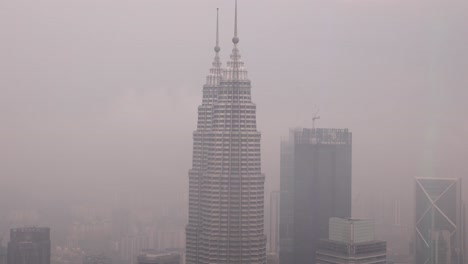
153, 257
351, 241
351, 230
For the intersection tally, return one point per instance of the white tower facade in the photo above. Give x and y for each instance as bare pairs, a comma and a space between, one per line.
226, 186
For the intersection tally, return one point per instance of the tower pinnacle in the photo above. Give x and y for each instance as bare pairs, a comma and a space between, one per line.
235, 39
217, 48
216, 72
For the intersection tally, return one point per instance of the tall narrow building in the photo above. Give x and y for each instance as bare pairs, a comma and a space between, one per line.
226, 186
315, 184
273, 233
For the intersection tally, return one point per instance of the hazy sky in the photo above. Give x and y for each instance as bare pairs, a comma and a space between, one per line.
99, 96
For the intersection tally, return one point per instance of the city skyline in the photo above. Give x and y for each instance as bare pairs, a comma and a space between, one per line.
99, 115
98, 106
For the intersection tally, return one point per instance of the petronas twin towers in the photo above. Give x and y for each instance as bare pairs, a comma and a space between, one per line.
226, 185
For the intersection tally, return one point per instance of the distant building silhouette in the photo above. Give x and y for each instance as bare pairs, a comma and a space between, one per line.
29, 245
351, 241
273, 233
465, 232
131, 246
120, 224
3, 255
153, 257
439, 225
315, 185
97, 259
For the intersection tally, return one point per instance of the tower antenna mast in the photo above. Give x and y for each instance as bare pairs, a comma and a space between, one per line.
315, 117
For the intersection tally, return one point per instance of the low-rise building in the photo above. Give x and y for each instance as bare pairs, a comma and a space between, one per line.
153, 257
351, 241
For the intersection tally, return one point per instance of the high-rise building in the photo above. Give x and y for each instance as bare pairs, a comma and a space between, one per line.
273, 233
439, 225
351, 241
29, 245
153, 257
315, 184
226, 186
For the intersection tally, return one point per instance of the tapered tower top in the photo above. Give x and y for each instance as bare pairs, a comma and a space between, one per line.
235, 39
235, 70
216, 73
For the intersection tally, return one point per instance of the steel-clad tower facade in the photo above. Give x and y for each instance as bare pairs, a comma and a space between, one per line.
226, 186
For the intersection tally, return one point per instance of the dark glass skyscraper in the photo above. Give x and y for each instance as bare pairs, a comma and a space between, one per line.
29, 245
315, 185
439, 237
226, 186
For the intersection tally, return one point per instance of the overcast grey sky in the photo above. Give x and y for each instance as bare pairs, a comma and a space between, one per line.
97, 96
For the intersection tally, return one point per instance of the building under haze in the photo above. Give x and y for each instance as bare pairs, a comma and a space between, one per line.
153, 257
97, 259
351, 241
439, 225
3, 254
273, 233
226, 186
29, 245
315, 184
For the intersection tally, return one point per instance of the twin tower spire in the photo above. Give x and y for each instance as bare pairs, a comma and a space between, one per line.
235, 67
235, 39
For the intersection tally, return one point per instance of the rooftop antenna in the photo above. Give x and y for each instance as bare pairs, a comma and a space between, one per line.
315, 117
